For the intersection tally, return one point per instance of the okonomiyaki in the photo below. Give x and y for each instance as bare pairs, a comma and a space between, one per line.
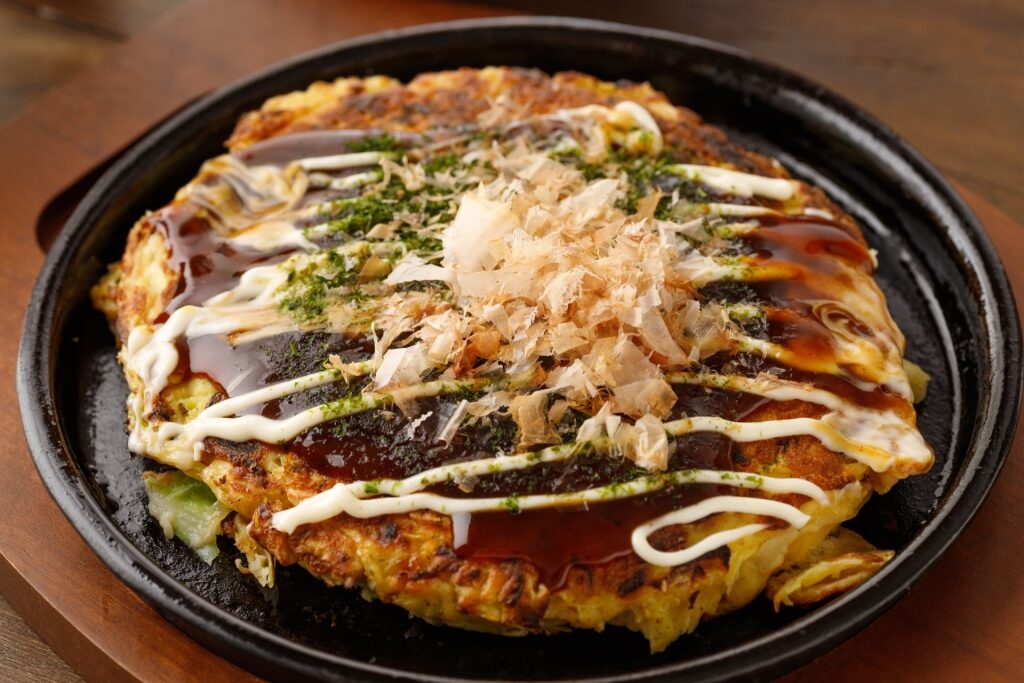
518, 353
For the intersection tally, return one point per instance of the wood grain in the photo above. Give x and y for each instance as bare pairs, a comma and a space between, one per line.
960, 623
36, 54
45, 42
115, 18
25, 658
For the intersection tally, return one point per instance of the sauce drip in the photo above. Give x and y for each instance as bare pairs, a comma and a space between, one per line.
378, 444
284, 149
878, 399
813, 244
205, 262
237, 370
799, 331
830, 263
554, 540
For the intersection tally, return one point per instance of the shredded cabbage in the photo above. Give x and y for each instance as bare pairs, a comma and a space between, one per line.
186, 508
258, 562
918, 379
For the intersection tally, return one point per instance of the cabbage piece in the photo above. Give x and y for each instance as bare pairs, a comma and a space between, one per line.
186, 508
841, 562
917, 378
258, 562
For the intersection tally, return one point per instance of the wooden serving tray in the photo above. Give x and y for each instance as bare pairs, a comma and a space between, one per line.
960, 623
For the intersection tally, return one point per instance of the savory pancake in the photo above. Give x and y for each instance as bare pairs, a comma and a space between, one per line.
516, 352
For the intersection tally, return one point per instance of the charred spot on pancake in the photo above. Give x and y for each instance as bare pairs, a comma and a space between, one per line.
632, 583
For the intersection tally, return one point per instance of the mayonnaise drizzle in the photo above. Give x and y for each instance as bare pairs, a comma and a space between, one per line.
720, 209
279, 431
821, 429
347, 182
352, 499
737, 183
705, 508
884, 430
341, 161
851, 361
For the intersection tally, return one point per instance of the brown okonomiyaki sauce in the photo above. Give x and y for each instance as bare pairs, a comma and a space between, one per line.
813, 245
556, 539
281, 150
238, 369
206, 264
382, 443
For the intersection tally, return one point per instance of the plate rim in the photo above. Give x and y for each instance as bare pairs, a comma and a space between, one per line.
233, 637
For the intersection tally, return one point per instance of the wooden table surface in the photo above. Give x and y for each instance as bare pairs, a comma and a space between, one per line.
947, 75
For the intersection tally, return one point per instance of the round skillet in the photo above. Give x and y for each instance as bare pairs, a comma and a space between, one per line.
945, 285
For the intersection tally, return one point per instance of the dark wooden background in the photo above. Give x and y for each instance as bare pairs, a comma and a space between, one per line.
86, 76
